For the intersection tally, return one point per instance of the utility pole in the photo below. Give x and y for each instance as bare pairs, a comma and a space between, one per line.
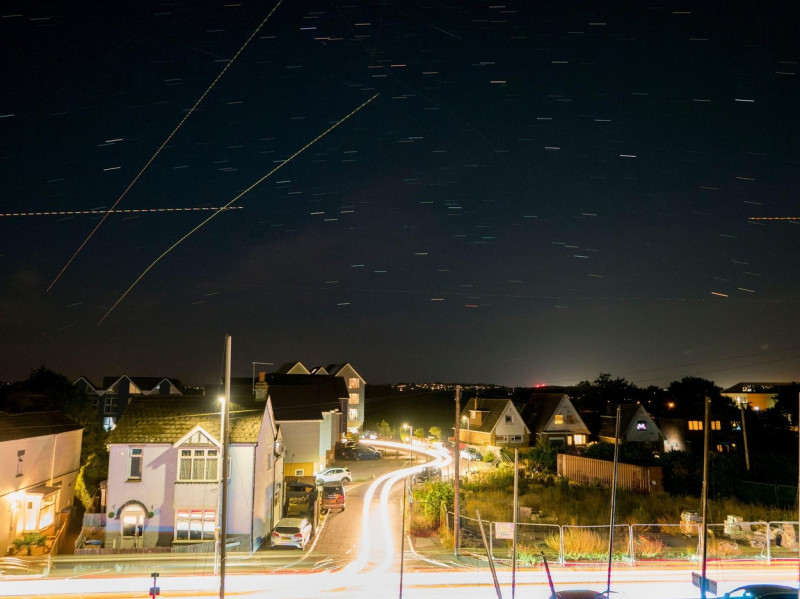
457, 479
223, 528
704, 500
744, 436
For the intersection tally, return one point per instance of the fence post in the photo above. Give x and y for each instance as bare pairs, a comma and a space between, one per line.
631, 544
768, 543
561, 557
491, 540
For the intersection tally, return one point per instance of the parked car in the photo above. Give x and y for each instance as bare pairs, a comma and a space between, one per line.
294, 532
579, 594
426, 474
761, 591
470, 453
334, 474
332, 496
363, 452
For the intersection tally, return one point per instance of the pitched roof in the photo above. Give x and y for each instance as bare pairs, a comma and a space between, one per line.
305, 397
292, 368
492, 408
166, 420
540, 408
144, 383
626, 415
752, 387
34, 424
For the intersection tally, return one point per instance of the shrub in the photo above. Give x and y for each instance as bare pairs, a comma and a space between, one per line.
579, 543
489, 457
424, 524
649, 546
30, 540
446, 536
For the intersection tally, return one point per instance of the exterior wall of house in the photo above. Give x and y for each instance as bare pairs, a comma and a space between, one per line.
636, 434
268, 483
304, 445
356, 389
470, 437
160, 493
50, 461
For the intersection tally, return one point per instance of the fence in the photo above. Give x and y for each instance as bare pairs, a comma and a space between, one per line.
731, 540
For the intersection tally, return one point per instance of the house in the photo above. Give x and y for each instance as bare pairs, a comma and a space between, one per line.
685, 433
356, 385
553, 417
759, 396
164, 473
42, 453
636, 427
492, 424
309, 411
113, 396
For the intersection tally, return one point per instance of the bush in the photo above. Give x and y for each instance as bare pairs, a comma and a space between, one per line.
424, 524
649, 546
579, 543
489, 457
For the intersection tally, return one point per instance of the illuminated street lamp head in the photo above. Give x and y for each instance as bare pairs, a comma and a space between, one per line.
221, 400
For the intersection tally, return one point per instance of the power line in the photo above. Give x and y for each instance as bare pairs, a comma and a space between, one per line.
123, 211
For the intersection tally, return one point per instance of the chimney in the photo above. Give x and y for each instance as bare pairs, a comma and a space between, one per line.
261, 387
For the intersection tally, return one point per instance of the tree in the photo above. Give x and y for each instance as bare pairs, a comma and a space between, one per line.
30, 540
543, 455
603, 392
419, 433
435, 432
384, 430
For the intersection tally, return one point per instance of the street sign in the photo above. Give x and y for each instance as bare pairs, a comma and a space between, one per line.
504, 530
711, 585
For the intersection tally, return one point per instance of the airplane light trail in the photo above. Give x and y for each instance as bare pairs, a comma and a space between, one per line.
112, 211
164, 144
235, 199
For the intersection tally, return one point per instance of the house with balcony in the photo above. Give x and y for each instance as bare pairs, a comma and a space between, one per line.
165, 473
491, 425
356, 388
41, 453
553, 417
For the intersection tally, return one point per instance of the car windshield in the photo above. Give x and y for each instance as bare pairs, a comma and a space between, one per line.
287, 530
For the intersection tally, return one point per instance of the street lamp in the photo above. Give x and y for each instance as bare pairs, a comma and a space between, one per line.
217, 553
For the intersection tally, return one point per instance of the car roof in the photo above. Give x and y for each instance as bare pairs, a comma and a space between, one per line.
292, 521
764, 588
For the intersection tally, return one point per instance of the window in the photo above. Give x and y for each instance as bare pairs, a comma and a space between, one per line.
558, 419
716, 425
352, 383
579, 439
501, 439
354, 399
695, 425
352, 414
108, 405
509, 419
195, 525
641, 425
20, 454
299, 472
47, 512
135, 463
198, 465
515, 438
109, 423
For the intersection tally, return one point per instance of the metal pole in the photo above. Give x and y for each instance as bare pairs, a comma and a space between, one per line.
489, 556
744, 436
703, 540
613, 501
457, 479
403, 535
514, 524
223, 529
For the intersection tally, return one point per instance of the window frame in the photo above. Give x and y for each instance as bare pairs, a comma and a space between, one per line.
135, 457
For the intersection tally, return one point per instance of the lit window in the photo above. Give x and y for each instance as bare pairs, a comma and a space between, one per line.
47, 512
195, 525
109, 423
352, 414
198, 465
135, 464
716, 425
132, 521
695, 425
558, 419
579, 439
641, 425
354, 399
352, 383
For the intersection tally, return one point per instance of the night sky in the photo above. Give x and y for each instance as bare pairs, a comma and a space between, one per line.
540, 192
